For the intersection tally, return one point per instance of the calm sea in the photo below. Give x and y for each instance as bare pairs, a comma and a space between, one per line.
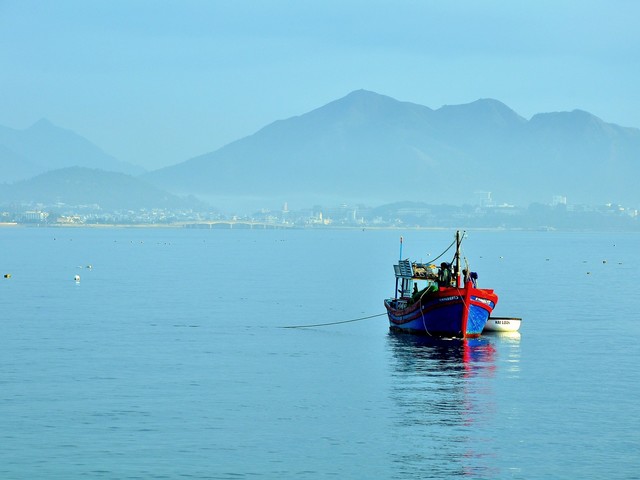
168, 358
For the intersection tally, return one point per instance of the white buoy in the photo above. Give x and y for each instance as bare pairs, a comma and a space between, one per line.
77, 278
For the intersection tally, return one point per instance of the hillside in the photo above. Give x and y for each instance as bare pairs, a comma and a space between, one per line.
372, 148
82, 186
45, 146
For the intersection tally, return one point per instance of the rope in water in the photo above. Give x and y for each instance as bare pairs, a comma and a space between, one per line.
335, 323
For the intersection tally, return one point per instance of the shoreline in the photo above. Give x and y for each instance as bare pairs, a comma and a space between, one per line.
249, 226
236, 226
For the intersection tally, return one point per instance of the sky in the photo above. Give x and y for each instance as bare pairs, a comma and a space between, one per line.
155, 83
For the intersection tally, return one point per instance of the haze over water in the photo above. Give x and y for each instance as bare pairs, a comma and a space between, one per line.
167, 359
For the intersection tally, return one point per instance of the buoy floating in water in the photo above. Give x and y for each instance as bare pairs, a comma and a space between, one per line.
7, 275
77, 278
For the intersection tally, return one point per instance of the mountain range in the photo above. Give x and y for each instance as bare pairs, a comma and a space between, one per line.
373, 148
370, 148
44, 147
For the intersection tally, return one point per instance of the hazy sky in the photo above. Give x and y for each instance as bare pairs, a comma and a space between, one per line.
157, 82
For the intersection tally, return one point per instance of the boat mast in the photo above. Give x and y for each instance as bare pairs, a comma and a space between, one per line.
456, 271
396, 294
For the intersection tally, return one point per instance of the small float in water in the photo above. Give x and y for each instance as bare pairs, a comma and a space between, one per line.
502, 324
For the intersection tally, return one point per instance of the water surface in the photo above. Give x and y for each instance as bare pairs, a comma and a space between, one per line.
168, 360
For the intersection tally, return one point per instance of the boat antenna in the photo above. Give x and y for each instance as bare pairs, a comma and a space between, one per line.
396, 292
457, 257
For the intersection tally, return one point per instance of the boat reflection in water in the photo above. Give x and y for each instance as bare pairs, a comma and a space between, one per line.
444, 405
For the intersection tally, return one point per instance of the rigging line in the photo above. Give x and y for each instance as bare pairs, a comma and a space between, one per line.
335, 323
424, 324
447, 249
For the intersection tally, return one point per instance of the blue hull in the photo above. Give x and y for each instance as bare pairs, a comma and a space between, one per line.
462, 314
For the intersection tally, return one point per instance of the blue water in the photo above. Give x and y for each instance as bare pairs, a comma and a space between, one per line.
167, 359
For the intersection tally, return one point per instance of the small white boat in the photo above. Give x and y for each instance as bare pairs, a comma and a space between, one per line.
502, 324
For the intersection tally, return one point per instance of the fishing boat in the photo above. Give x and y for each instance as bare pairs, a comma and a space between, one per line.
439, 301
502, 324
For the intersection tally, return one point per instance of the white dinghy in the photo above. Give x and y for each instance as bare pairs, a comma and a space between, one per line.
502, 324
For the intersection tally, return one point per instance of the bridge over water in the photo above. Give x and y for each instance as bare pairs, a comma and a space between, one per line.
236, 224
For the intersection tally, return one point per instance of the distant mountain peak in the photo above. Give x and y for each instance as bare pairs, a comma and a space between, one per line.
364, 99
45, 146
364, 94
484, 107
367, 97
46, 128
575, 118
491, 103
42, 124
366, 106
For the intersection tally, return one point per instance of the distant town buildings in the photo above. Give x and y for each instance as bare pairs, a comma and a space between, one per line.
558, 214
559, 200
